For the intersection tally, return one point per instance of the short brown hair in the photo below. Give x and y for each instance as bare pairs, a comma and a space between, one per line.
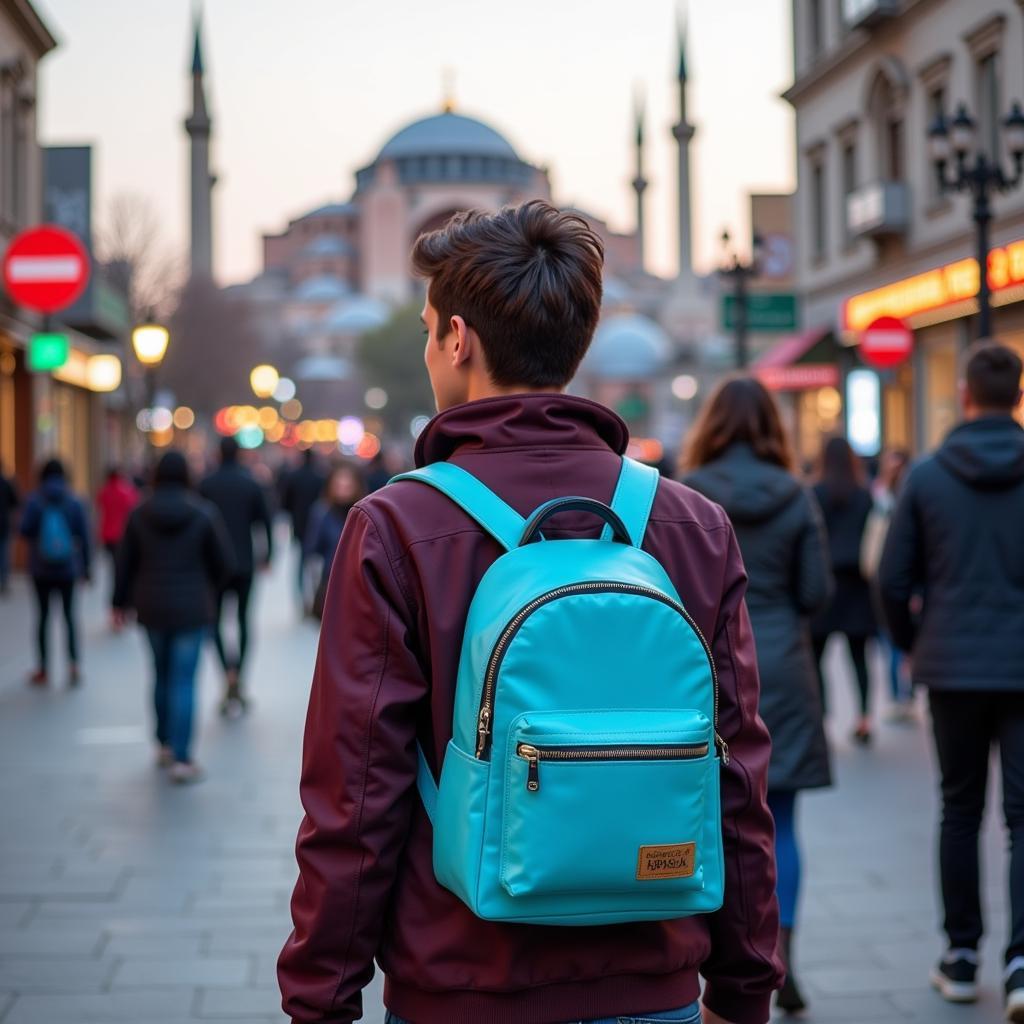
993, 375
527, 279
739, 409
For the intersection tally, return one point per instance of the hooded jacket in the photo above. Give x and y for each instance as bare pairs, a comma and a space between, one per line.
242, 504
406, 569
957, 538
174, 557
53, 491
785, 551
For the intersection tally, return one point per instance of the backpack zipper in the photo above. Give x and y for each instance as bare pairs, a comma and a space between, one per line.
533, 755
483, 727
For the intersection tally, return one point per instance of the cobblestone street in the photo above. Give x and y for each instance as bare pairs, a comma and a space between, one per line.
124, 899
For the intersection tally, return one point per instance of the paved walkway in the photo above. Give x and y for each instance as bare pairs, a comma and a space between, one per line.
123, 899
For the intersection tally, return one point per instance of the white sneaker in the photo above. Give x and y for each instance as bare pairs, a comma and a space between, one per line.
184, 773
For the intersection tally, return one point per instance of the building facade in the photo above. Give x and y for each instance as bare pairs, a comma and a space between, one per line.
877, 236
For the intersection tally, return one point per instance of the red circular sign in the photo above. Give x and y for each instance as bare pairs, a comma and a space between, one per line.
45, 268
886, 342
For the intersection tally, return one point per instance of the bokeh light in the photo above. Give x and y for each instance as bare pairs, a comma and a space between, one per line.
285, 390
264, 380
350, 431
376, 398
184, 417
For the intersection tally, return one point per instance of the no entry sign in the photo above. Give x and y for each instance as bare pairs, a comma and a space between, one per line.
45, 268
886, 342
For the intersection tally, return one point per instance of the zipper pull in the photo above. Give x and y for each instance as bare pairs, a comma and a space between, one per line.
723, 750
532, 757
483, 728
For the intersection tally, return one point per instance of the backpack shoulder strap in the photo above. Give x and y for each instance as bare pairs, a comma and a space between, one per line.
500, 520
634, 498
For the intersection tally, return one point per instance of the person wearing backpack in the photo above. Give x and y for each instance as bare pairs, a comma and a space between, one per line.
740, 457
549, 807
56, 526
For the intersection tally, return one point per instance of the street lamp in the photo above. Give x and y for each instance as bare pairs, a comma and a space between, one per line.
976, 172
264, 380
150, 340
741, 274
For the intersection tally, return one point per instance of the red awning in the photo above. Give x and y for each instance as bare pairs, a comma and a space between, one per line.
790, 349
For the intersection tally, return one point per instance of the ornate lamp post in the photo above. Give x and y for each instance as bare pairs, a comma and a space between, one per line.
741, 274
976, 172
150, 340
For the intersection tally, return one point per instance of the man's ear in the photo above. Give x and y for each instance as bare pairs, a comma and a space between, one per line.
464, 339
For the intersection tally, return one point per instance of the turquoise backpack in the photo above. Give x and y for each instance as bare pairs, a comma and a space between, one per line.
581, 784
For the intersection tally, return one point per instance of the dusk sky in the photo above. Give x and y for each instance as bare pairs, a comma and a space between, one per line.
304, 92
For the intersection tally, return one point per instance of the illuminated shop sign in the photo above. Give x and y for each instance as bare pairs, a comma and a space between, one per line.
943, 286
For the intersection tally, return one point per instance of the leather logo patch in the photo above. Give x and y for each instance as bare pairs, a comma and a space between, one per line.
676, 861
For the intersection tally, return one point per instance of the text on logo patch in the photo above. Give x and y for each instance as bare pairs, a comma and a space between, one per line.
676, 861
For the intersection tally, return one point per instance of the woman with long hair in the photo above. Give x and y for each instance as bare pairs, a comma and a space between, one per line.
846, 504
739, 456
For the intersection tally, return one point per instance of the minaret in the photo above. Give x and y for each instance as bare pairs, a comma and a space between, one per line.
640, 182
683, 134
202, 181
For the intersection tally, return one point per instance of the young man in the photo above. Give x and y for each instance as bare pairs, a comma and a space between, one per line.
513, 299
243, 506
956, 537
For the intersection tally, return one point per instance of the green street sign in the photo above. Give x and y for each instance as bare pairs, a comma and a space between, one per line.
47, 351
766, 312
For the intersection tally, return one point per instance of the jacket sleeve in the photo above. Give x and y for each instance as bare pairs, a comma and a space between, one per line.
358, 782
126, 564
813, 582
901, 570
743, 969
29, 528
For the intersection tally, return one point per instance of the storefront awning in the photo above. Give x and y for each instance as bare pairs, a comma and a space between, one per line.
796, 363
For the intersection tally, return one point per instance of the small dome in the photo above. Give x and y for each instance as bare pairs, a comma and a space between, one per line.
322, 288
445, 134
627, 346
329, 368
356, 316
326, 245
331, 210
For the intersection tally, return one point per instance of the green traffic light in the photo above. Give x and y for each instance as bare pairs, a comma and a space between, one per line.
47, 351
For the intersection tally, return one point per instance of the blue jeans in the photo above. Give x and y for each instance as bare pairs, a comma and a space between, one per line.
175, 659
687, 1015
787, 854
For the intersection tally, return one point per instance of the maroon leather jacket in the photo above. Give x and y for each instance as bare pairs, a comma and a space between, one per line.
406, 569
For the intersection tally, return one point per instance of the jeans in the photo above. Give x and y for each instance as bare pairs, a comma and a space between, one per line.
966, 724
45, 589
241, 587
687, 1015
787, 854
175, 659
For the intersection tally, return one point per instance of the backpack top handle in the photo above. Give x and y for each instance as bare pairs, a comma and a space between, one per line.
574, 504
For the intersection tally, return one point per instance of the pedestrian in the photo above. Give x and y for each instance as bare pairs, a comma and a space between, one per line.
378, 473
56, 526
9, 501
513, 299
740, 457
242, 503
956, 539
114, 502
174, 558
303, 487
885, 489
846, 503
345, 486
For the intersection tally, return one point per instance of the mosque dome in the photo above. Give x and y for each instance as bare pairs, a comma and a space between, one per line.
627, 346
356, 316
450, 147
326, 245
321, 288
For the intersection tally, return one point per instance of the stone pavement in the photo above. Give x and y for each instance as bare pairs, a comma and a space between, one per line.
124, 899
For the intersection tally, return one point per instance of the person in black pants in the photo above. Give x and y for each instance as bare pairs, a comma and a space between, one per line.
846, 503
243, 506
56, 527
303, 488
9, 501
956, 543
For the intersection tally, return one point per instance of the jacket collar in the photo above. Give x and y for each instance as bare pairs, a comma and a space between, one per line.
521, 421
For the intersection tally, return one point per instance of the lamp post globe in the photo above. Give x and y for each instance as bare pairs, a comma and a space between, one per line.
263, 380
150, 343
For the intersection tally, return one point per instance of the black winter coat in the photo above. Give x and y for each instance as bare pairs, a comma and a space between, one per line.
173, 558
851, 609
957, 538
243, 507
782, 541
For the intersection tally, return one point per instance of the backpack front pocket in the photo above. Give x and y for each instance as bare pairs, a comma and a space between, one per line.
605, 802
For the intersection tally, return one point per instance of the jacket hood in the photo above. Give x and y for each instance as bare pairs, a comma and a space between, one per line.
519, 421
749, 490
985, 453
169, 510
